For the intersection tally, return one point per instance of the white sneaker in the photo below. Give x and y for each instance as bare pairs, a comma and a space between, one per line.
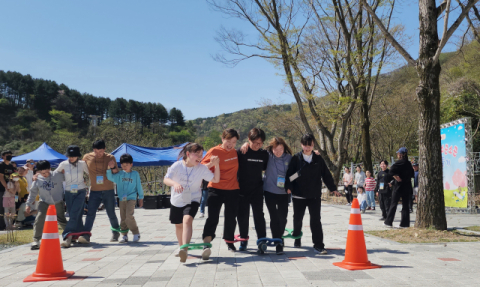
183, 254
67, 242
136, 237
124, 239
202, 215
177, 252
206, 253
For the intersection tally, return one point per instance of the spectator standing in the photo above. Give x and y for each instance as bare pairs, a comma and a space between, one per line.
383, 189
369, 188
402, 172
415, 186
6, 170
203, 202
348, 185
359, 177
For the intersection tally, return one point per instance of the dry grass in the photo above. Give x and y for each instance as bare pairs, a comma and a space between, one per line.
23, 237
473, 228
416, 235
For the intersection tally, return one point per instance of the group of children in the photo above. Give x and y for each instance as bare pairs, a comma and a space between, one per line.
365, 185
244, 178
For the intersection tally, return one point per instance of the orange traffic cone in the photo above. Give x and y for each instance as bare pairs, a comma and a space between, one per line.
49, 263
356, 257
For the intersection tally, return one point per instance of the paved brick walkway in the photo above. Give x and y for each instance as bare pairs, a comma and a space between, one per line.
151, 262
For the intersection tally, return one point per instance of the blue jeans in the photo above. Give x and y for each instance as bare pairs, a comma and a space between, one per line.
96, 197
363, 205
203, 202
75, 202
371, 198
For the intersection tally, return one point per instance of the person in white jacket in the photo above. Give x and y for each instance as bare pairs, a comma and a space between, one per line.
362, 198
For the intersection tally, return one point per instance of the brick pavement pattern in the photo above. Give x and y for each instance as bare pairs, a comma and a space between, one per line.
151, 262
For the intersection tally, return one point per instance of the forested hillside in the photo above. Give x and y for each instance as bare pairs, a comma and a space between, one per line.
394, 111
37, 110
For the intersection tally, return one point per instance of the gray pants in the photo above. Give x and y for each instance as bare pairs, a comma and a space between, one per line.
42, 213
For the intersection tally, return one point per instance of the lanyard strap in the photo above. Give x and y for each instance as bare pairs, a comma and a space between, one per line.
70, 166
283, 164
188, 176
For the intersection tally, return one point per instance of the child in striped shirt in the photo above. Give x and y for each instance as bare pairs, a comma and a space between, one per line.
369, 190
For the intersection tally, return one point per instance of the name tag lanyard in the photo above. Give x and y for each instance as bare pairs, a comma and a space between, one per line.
187, 184
73, 187
96, 170
280, 176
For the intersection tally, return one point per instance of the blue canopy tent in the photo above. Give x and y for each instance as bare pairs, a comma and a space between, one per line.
150, 156
44, 152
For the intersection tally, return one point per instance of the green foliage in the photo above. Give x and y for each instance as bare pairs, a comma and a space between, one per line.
62, 120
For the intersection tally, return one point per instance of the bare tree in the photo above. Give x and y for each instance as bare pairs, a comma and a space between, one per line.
280, 26
431, 203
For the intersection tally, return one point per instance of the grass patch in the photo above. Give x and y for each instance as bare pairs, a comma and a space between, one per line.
23, 237
473, 228
417, 235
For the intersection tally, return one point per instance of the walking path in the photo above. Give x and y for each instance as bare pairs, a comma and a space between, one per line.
151, 262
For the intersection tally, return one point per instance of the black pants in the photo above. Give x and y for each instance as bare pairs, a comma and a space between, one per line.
277, 205
406, 197
314, 205
2, 211
217, 197
384, 200
412, 197
349, 193
255, 199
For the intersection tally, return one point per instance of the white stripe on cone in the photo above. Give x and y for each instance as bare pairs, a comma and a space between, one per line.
355, 211
50, 236
355, 227
51, 218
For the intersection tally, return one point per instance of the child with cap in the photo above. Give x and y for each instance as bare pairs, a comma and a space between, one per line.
74, 171
129, 187
9, 198
49, 185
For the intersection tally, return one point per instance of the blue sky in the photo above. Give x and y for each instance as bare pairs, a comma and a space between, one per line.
156, 50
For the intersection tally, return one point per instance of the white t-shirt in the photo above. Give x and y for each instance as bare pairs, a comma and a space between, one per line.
190, 178
73, 174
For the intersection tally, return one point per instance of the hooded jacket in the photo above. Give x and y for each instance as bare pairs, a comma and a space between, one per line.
309, 182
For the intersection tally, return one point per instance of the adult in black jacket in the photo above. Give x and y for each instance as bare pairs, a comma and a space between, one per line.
304, 180
383, 189
402, 172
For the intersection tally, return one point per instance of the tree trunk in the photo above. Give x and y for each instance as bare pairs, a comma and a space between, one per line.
431, 201
365, 129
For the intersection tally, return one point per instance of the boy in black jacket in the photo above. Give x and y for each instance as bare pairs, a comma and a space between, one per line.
383, 189
304, 180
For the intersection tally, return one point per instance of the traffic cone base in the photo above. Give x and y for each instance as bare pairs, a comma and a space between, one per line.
49, 263
356, 257
49, 277
356, 266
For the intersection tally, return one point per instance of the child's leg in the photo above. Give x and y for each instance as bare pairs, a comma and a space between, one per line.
187, 229
179, 233
40, 221
130, 219
123, 216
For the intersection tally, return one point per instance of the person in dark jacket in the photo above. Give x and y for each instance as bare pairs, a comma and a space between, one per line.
402, 172
304, 180
383, 189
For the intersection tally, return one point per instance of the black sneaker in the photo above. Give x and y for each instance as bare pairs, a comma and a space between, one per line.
243, 246
320, 250
231, 247
115, 236
298, 243
279, 248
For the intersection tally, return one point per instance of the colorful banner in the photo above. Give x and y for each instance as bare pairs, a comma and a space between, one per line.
454, 166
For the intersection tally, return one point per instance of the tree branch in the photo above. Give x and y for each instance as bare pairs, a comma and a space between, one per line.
389, 36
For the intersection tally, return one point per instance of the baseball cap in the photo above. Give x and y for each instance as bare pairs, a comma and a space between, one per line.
402, 150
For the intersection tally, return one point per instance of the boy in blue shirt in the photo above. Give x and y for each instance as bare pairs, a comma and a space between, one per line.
128, 187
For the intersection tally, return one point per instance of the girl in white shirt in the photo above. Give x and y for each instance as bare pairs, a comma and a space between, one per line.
185, 177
